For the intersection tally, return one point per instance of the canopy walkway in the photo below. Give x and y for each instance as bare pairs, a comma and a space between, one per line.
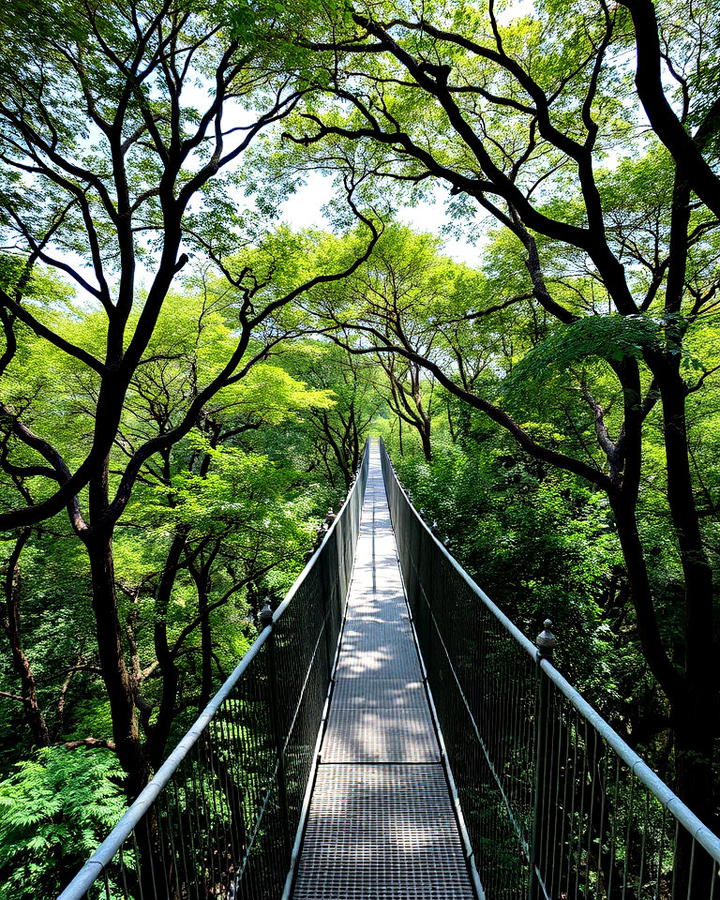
391, 734
381, 821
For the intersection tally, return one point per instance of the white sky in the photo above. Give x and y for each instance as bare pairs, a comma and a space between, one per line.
304, 209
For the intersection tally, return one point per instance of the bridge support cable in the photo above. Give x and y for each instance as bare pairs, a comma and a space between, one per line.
381, 821
217, 818
557, 805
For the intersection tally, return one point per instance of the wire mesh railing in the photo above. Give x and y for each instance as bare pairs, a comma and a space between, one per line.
219, 817
557, 805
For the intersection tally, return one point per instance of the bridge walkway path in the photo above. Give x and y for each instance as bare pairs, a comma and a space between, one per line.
381, 823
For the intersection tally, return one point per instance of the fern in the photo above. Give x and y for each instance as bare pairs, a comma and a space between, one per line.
54, 811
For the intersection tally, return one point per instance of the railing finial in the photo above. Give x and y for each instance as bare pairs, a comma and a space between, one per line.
546, 641
266, 614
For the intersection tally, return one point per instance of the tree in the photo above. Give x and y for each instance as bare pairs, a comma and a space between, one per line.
656, 43
407, 276
136, 187
405, 400
191, 342
406, 272
518, 117
339, 430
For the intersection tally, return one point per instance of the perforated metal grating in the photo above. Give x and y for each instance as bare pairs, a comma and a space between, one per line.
370, 693
372, 635
382, 662
380, 735
389, 612
384, 831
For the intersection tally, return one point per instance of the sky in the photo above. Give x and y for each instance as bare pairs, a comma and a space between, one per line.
304, 210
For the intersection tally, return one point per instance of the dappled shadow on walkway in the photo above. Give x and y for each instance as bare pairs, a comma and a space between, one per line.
381, 823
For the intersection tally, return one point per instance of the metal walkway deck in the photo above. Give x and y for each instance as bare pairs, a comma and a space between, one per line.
381, 823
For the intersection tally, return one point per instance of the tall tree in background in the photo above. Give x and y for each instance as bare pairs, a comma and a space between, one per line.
339, 430
406, 379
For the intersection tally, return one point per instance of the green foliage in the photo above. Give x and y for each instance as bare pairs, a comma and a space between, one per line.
612, 338
53, 812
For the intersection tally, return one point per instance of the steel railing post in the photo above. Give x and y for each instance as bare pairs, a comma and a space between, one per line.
266, 619
329, 590
542, 795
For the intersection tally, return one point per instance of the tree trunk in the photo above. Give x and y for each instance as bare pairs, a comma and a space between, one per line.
118, 683
21, 664
693, 730
206, 679
424, 430
159, 732
625, 511
692, 702
201, 576
695, 717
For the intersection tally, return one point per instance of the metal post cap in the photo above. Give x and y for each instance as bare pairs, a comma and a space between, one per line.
266, 614
546, 640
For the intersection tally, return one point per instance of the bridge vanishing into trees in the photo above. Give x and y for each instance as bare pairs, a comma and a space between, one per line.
392, 734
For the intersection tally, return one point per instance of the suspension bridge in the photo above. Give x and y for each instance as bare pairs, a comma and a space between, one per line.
391, 734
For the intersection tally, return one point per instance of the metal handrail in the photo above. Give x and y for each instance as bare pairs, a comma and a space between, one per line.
117, 837
416, 552
640, 769
135, 813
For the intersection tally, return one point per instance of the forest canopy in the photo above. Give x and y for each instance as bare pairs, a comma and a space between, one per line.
188, 377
